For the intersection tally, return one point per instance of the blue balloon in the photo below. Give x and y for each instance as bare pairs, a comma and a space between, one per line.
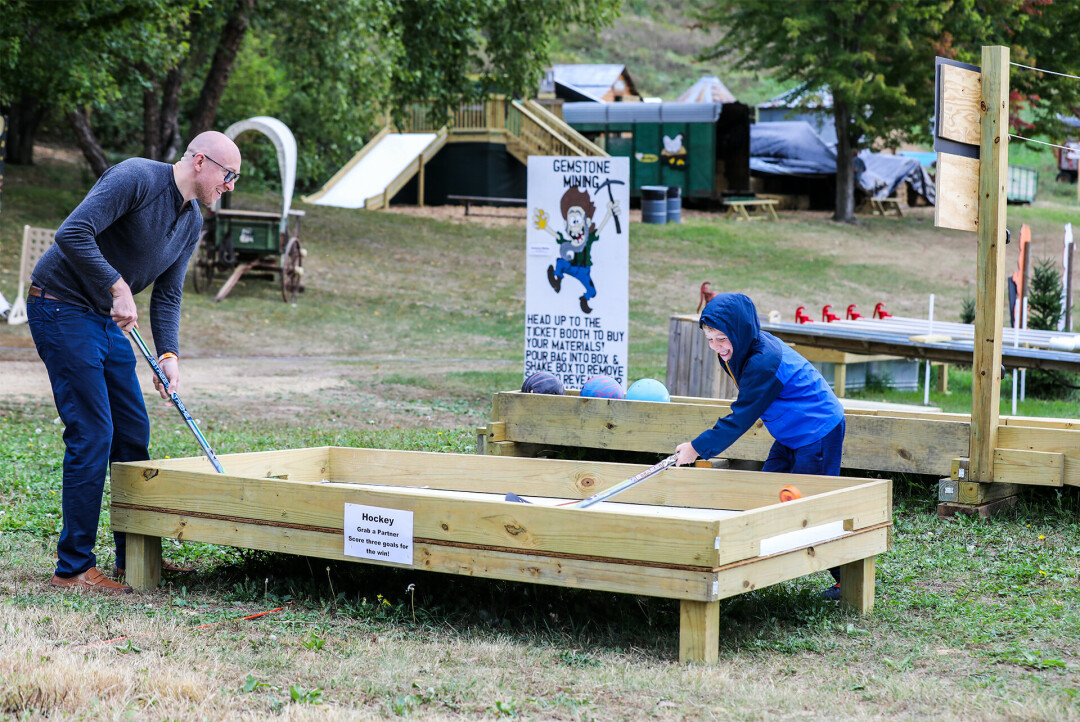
648, 390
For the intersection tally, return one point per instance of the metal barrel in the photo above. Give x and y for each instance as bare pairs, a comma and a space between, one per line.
654, 204
674, 204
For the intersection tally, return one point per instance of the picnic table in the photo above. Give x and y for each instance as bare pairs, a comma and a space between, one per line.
486, 201
740, 208
880, 206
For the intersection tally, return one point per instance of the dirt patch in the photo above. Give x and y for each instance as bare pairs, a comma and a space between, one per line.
306, 391
59, 154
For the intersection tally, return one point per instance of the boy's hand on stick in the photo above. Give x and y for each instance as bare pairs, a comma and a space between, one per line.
686, 452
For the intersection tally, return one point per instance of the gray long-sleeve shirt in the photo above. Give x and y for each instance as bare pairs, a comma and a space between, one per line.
135, 225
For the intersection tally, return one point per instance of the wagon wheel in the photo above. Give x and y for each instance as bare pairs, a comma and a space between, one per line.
202, 273
292, 270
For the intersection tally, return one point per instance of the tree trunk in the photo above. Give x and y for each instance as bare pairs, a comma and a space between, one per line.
151, 118
170, 115
84, 136
24, 117
845, 177
221, 66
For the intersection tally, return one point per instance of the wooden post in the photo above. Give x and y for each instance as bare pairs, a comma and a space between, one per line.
993, 172
839, 379
1068, 285
142, 562
699, 632
857, 585
420, 183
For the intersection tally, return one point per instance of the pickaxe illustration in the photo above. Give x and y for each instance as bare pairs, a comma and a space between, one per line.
611, 197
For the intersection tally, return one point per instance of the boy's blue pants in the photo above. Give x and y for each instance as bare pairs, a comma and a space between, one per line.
92, 370
821, 457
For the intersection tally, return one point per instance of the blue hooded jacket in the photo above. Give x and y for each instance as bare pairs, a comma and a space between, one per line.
775, 383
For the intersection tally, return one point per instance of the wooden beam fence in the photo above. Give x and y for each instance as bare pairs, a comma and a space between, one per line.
1030, 451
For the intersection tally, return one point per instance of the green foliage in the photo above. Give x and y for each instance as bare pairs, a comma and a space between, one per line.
299, 695
967, 310
472, 48
253, 685
86, 54
876, 383
1044, 296
312, 641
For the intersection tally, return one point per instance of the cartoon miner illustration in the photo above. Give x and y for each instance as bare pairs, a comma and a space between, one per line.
575, 247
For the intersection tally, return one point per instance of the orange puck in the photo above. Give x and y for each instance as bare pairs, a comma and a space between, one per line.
790, 493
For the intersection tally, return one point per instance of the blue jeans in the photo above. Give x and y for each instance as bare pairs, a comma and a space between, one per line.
821, 457
92, 371
581, 273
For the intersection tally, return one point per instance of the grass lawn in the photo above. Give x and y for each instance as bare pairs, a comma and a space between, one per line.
408, 326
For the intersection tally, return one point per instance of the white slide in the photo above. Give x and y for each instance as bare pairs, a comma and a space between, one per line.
375, 169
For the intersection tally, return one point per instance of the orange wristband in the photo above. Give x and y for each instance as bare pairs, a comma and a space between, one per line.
168, 354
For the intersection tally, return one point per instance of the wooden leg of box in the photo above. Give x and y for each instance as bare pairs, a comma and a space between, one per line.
699, 632
857, 585
142, 567
839, 379
943, 379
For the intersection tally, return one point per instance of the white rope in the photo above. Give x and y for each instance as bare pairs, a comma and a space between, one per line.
1040, 142
1040, 70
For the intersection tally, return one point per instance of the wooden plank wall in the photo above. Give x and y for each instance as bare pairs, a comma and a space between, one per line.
878, 440
692, 368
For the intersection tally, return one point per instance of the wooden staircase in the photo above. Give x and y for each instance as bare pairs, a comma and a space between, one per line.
525, 126
532, 129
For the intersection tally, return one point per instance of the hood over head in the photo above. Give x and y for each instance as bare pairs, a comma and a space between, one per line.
734, 315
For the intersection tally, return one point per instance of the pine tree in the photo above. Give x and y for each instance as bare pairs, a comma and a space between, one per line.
1044, 311
1044, 296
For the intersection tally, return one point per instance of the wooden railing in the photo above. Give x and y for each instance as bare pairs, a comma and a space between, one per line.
530, 128
577, 139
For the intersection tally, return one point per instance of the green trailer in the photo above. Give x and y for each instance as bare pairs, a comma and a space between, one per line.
1023, 182
703, 148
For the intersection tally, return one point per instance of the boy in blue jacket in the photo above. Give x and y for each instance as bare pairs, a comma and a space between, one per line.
778, 386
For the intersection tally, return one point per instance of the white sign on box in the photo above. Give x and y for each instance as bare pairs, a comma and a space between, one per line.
377, 534
577, 265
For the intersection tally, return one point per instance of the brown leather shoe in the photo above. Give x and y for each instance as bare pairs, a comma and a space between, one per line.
93, 580
166, 568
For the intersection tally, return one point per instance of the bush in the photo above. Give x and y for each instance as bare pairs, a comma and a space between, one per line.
967, 310
1044, 312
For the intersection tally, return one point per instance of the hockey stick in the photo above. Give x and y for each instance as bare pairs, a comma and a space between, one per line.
177, 402
612, 491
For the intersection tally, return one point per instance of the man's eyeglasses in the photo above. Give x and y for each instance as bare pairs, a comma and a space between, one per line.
230, 175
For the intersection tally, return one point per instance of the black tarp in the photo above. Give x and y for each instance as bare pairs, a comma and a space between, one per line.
793, 148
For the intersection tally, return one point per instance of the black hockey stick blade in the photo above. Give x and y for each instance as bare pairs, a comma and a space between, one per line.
514, 497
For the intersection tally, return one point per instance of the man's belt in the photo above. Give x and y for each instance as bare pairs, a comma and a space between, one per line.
38, 293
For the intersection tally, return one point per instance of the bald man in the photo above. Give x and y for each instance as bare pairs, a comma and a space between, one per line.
137, 227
